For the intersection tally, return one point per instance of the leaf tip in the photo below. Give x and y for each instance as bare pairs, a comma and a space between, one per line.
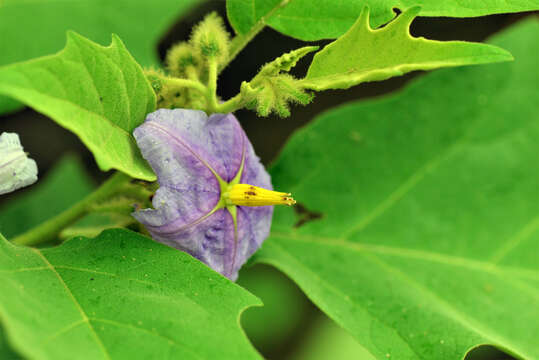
407, 16
364, 16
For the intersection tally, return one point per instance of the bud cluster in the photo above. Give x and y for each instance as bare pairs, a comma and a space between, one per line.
209, 42
272, 91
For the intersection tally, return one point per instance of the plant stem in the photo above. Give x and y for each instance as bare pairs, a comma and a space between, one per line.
187, 83
50, 229
230, 105
241, 40
211, 95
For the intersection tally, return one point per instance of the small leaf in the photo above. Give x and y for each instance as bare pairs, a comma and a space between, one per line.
428, 240
327, 19
99, 93
363, 54
119, 296
140, 24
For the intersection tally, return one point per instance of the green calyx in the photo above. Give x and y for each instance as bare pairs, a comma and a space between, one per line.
224, 188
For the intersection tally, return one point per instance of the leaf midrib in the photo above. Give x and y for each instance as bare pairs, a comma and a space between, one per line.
83, 314
443, 307
87, 320
453, 260
405, 66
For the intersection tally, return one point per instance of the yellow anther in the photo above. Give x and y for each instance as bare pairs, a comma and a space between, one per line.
249, 195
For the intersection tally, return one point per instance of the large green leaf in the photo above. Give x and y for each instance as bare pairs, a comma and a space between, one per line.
429, 234
363, 54
119, 296
6, 352
99, 93
30, 29
329, 341
321, 19
66, 184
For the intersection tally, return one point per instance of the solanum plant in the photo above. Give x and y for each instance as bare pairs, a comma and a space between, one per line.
426, 239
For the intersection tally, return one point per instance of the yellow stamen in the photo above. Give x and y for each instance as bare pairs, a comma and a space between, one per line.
249, 195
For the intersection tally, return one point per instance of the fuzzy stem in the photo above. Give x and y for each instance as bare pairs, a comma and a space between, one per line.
211, 95
230, 105
50, 229
187, 83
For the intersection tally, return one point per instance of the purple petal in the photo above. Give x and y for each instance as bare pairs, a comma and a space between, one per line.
254, 225
188, 189
184, 147
210, 240
254, 172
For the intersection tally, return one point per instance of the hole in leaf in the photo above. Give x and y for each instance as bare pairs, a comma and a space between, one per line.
487, 352
305, 215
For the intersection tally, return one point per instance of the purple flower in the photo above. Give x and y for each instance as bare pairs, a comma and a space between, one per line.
212, 201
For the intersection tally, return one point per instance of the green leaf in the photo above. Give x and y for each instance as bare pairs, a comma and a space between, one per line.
325, 19
99, 93
363, 54
30, 29
94, 223
285, 309
329, 341
65, 185
285, 62
6, 352
429, 235
119, 296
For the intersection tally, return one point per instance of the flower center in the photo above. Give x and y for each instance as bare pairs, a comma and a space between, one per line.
249, 195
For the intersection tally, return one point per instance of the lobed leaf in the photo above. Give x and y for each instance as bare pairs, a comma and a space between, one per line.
325, 19
428, 241
99, 93
118, 296
363, 54
30, 29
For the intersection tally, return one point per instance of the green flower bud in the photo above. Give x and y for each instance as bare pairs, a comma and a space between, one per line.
180, 58
210, 38
155, 77
273, 94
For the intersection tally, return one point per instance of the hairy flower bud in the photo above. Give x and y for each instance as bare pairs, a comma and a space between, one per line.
155, 77
210, 38
181, 59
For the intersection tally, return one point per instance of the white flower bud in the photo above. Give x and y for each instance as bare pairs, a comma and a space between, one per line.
16, 169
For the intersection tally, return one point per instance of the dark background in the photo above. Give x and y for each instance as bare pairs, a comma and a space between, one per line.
46, 142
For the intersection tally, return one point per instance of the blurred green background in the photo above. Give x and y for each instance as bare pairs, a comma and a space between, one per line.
289, 326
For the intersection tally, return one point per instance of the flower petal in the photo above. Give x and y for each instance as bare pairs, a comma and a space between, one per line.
16, 169
187, 150
254, 225
188, 188
254, 172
